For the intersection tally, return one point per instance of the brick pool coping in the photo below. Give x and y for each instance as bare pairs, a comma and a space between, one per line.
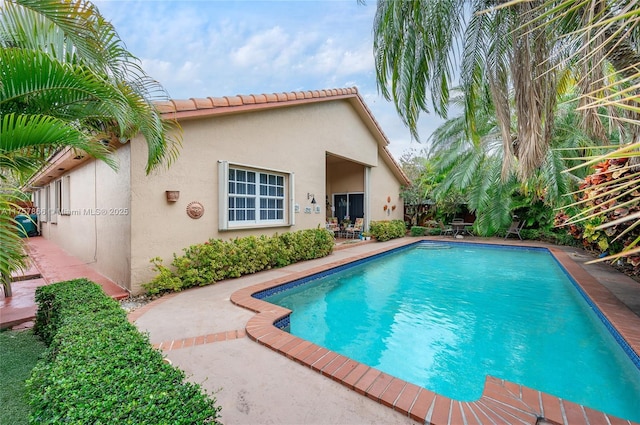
501, 402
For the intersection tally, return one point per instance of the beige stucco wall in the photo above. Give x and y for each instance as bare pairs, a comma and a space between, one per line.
97, 228
346, 177
384, 185
291, 139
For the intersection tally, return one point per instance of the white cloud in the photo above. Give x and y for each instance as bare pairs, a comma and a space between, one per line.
261, 48
335, 58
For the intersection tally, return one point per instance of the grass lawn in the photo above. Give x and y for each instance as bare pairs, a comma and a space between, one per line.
19, 352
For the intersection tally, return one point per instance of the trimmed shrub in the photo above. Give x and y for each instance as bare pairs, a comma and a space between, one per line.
99, 368
215, 260
418, 231
433, 231
386, 230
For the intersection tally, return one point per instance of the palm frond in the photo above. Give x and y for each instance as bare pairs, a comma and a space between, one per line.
20, 132
12, 254
95, 41
413, 45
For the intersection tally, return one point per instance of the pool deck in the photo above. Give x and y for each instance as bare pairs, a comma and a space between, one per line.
211, 333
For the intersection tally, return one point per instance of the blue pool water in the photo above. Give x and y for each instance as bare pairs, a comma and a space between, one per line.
445, 316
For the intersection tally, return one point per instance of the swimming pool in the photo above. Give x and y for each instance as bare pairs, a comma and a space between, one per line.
473, 325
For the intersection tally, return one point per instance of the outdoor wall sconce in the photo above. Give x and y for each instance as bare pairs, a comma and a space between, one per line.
172, 195
313, 198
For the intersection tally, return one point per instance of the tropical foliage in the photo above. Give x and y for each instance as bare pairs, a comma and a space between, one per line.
417, 193
608, 197
522, 55
66, 80
420, 45
471, 171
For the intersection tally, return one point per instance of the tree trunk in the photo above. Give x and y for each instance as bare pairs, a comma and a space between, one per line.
534, 82
6, 285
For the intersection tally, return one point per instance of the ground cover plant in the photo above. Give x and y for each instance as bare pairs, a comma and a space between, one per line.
215, 260
20, 351
99, 368
386, 230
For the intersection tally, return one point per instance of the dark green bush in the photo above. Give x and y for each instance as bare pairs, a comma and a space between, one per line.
385, 230
100, 369
418, 231
559, 237
215, 260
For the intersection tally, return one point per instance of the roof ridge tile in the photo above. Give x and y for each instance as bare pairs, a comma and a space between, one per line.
248, 99
184, 104
234, 100
202, 103
260, 98
211, 102
219, 102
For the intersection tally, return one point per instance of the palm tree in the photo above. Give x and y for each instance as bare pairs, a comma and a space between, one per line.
419, 46
67, 81
603, 38
515, 46
472, 165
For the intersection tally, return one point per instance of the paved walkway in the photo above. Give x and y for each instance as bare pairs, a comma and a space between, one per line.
49, 264
206, 335
203, 333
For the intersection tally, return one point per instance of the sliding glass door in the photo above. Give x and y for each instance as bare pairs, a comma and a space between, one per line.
349, 205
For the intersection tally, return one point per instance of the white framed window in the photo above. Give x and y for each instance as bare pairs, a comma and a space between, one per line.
251, 196
46, 202
57, 201
35, 198
65, 201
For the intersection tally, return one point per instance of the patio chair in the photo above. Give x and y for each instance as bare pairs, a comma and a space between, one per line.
445, 230
355, 229
333, 225
514, 229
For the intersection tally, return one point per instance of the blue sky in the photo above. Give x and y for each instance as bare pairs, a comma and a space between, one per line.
223, 48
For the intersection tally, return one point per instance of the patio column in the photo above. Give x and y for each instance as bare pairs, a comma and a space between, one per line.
367, 191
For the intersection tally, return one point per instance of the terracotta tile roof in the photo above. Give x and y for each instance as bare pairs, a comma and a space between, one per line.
179, 107
203, 107
209, 106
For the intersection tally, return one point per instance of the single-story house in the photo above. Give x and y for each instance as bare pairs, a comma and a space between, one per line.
249, 165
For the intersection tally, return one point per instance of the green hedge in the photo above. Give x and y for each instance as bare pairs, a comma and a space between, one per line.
418, 231
385, 230
100, 369
215, 260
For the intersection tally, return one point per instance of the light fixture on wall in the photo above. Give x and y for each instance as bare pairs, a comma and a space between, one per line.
313, 198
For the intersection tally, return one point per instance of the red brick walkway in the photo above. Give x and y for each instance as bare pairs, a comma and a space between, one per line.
49, 264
